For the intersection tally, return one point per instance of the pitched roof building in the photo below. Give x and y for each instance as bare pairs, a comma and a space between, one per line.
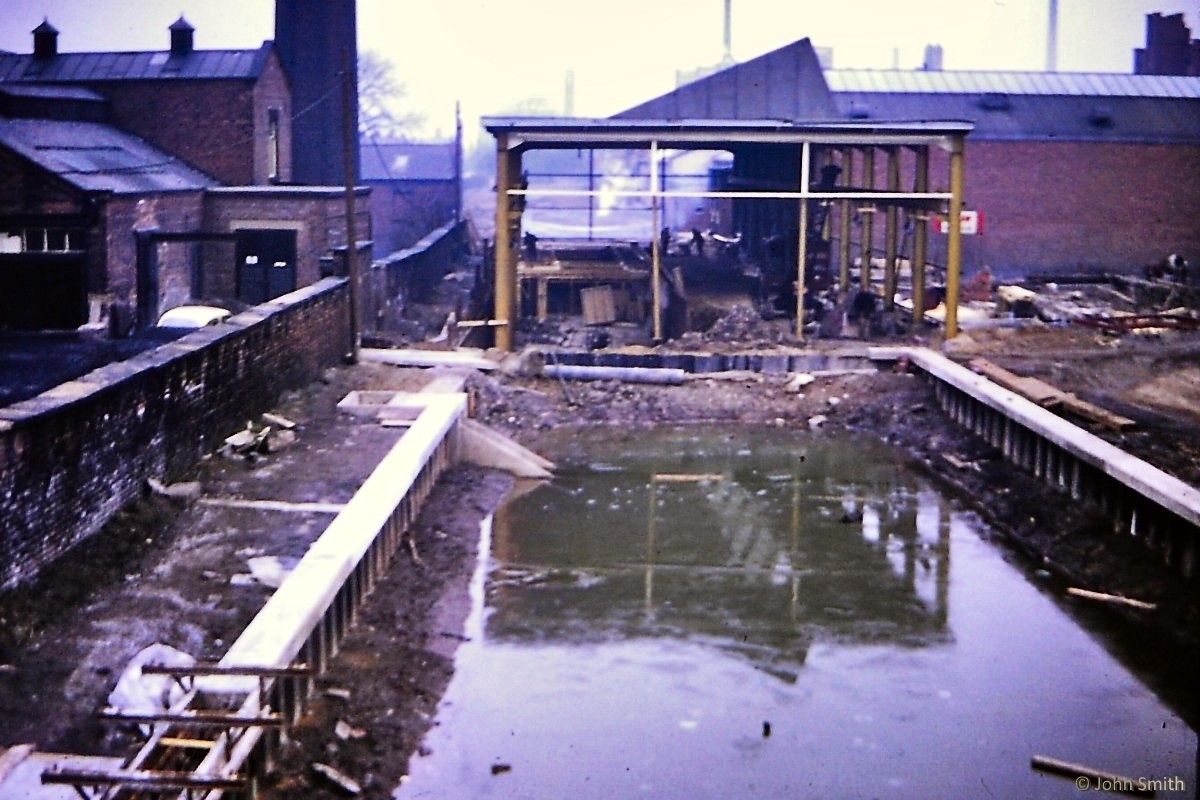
1071, 171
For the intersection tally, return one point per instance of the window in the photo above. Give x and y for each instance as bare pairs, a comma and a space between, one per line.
40, 240
273, 145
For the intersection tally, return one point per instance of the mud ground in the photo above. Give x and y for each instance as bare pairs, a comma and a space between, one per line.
161, 572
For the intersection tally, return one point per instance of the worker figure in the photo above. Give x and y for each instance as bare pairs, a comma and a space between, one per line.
664, 241
531, 246
698, 242
863, 305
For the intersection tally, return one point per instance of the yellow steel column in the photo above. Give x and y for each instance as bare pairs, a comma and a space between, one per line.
505, 257
802, 249
847, 213
867, 210
656, 253
920, 241
891, 233
954, 246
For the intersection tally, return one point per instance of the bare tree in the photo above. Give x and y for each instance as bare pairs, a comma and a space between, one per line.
380, 97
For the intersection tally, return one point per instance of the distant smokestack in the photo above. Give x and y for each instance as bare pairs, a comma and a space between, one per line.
569, 95
933, 58
728, 30
1052, 39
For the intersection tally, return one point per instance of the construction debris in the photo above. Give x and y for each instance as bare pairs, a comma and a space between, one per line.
279, 434
1051, 397
188, 490
1117, 599
136, 693
345, 731
277, 421
269, 570
1086, 777
338, 779
799, 381
672, 377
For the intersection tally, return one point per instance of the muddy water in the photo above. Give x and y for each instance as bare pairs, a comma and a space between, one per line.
762, 615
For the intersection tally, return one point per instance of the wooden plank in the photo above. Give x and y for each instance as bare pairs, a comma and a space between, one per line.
1033, 389
1088, 778
686, 477
187, 744
1111, 598
216, 668
1049, 396
598, 305
1095, 413
197, 719
147, 779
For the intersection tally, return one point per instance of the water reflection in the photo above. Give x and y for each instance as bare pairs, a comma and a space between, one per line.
759, 556
640, 619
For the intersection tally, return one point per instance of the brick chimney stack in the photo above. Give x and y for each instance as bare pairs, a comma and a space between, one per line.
45, 40
182, 37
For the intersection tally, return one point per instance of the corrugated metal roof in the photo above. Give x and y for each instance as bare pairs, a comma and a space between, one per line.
411, 161
152, 65
97, 157
1074, 84
782, 84
1039, 117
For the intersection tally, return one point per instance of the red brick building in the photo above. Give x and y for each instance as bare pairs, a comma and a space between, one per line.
415, 189
1069, 171
135, 182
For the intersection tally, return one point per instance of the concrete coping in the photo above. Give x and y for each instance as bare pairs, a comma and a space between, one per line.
276, 635
105, 377
1166, 490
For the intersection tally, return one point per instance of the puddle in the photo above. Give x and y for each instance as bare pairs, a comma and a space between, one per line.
756, 615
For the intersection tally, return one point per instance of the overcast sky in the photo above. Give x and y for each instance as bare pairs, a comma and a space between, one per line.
494, 54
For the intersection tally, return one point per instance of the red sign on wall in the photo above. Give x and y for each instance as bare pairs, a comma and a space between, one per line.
971, 223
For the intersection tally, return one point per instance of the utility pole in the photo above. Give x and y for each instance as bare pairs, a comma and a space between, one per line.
349, 136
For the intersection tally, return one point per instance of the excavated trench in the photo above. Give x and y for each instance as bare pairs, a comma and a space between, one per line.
898, 412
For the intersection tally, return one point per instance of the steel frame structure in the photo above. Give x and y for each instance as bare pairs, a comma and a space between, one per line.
517, 135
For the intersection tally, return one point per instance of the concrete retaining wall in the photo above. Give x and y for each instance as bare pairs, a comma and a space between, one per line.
71, 457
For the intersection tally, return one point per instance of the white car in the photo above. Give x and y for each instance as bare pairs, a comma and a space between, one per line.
193, 317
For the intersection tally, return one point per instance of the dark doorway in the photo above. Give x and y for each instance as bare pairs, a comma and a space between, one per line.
42, 291
266, 264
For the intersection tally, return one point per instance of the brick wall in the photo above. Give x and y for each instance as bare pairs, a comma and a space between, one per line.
1063, 206
73, 456
317, 214
409, 274
403, 212
125, 214
1079, 206
207, 124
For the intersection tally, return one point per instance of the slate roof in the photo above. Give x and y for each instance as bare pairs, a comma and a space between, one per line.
1065, 84
150, 65
97, 157
789, 84
408, 161
1029, 105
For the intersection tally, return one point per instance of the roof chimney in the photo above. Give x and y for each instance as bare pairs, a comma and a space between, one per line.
181, 37
45, 40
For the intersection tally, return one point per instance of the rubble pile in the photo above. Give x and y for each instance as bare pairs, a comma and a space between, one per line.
745, 326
